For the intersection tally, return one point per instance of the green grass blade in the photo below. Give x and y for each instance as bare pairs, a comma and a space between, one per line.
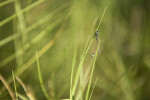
73, 65
93, 88
81, 84
8, 39
28, 93
79, 69
21, 21
101, 19
88, 90
6, 2
79, 95
3, 80
19, 26
41, 79
15, 85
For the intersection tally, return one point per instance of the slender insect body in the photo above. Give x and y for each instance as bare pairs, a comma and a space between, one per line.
97, 40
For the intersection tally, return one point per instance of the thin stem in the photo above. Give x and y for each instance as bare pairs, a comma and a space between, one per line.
6, 2
101, 19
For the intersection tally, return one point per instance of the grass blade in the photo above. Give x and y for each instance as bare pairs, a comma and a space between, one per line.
73, 65
79, 69
101, 19
88, 90
6, 2
41, 79
15, 85
21, 21
7, 86
28, 93
18, 26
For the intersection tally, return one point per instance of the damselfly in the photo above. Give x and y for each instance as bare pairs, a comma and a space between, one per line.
96, 34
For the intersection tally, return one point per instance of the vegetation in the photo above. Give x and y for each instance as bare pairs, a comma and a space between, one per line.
74, 50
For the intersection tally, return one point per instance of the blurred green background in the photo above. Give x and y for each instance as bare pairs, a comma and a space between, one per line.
58, 28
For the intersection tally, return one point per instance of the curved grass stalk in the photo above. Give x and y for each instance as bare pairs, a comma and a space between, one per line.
6, 2
21, 21
73, 65
20, 25
15, 85
33, 26
7, 87
101, 19
41, 79
22, 11
28, 93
